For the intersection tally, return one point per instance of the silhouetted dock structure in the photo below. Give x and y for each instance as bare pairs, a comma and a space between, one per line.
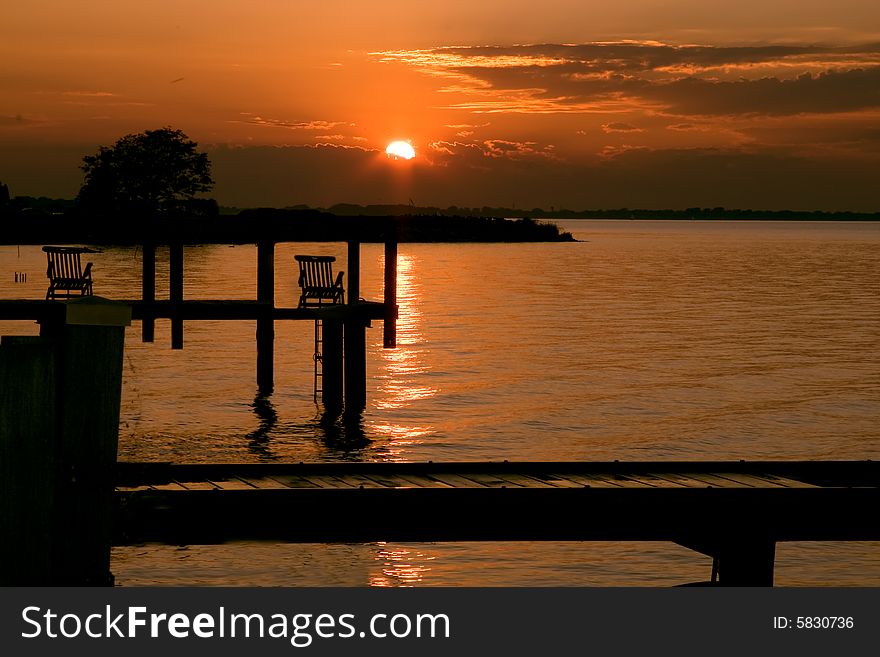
64, 499
342, 325
735, 512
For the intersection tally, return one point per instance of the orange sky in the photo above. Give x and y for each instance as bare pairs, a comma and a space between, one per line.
576, 104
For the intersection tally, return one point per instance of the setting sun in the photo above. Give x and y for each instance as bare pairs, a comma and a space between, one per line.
401, 149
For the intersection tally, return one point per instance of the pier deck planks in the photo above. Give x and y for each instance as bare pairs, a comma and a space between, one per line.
684, 502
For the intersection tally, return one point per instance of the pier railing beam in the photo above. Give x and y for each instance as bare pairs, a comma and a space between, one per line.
266, 322
175, 267
148, 292
389, 329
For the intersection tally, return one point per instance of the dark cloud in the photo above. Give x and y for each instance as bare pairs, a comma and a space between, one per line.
686, 127
619, 126
824, 93
629, 57
255, 119
684, 80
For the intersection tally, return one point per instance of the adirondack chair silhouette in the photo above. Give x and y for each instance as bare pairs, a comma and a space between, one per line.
317, 286
66, 275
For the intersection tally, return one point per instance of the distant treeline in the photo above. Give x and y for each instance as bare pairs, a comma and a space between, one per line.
347, 209
28, 220
33, 226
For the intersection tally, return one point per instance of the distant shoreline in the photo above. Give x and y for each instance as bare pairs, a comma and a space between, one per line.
47, 221
269, 224
45, 207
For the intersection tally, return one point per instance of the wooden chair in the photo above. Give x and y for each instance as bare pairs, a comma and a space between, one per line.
66, 275
317, 286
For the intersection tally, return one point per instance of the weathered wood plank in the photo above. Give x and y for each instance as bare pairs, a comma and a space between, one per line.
326, 481
390, 481
292, 481
359, 481
491, 480
261, 482
623, 481
648, 479
231, 484
663, 482
719, 481
593, 481
196, 485
423, 482
784, 481
749, 480
457, 481
525, 482
169, 486
689, 481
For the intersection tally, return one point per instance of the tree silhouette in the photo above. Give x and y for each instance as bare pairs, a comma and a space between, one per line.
148, 173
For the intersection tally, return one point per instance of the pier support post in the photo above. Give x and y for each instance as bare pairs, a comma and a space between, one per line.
746, 563
27, 460
354, 272
331, 365
61, 450
87, 407
148, 292
389, 328
355, 366
266, 321
175, 267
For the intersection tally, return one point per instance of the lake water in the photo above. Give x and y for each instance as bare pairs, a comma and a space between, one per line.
646, 340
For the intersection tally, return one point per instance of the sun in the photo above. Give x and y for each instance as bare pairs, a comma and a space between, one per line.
401, 149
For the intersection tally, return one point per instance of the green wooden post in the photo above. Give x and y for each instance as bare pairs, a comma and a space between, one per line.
88, 388
59, 427
27, 460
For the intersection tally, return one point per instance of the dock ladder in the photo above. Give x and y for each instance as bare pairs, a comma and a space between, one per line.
318, 358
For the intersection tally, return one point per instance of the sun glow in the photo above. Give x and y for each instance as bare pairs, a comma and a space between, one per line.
401, 149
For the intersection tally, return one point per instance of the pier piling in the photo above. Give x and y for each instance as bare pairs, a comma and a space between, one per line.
58, 456
355, 366
148, 292
27, 460
331, 380
389, 328
266, 321
354, 271
175, 272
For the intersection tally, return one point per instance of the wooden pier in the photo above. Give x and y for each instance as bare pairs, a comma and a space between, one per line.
346, 324
735, 512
